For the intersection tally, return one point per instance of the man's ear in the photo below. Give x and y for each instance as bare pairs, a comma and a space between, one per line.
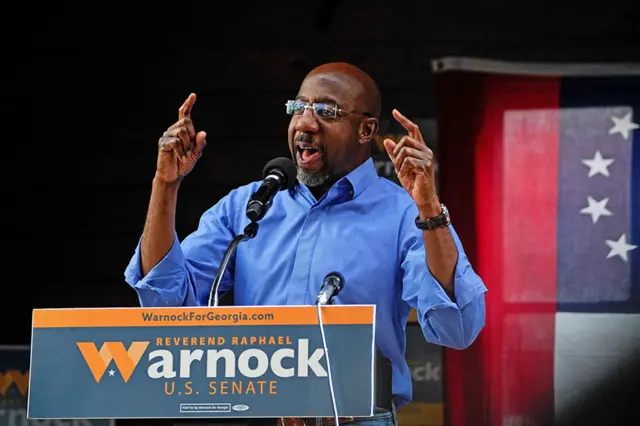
368, 129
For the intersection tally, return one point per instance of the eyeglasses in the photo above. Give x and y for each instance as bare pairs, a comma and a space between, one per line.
321, 109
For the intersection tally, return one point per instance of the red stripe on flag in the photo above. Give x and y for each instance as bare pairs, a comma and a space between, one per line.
513, 135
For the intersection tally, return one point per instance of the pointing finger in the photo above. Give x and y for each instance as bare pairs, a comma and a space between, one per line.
185, 109
411, 127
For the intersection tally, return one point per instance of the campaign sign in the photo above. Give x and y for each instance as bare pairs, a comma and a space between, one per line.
14, 388
251, 361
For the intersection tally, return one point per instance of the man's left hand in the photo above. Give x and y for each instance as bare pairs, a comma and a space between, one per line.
414, 165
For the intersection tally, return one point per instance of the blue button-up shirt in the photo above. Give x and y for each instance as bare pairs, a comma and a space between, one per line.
363, 227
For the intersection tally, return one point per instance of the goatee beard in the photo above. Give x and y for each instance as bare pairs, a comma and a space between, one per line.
313, 179
310, 179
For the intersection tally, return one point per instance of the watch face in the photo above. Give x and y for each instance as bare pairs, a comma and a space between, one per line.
445, 211
434, 222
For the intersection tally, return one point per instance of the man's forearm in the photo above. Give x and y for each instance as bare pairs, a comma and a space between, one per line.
159, 229
442, 253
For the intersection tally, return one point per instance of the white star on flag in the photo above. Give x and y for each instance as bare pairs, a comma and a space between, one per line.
596, 208
112, 372
623, 126
598, 165
620, 247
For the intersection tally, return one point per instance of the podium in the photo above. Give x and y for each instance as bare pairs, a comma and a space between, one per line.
206, 362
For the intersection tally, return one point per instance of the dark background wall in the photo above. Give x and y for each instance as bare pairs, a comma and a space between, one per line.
104, 80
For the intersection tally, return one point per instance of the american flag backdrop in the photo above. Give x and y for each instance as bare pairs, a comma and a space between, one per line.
546, 162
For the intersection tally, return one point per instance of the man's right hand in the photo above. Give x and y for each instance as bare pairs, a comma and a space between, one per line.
180, 146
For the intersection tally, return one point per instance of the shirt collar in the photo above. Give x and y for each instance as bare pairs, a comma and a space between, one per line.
357, 180
362, 177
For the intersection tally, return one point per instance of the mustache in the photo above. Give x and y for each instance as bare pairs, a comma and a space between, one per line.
303, 137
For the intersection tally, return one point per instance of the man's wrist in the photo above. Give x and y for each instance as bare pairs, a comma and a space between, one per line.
431, 217
162, 185
430, 209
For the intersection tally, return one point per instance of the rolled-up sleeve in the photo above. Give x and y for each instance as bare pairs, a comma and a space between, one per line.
454, 324
185, 275
164, 285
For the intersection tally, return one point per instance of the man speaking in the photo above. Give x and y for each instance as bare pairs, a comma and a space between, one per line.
394, 246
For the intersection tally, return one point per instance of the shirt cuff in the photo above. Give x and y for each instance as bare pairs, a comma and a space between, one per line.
163, 277
467, 286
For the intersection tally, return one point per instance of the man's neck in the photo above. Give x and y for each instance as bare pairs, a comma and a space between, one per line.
319, 191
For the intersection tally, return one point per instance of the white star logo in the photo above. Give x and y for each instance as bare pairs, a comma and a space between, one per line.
112, 372
596, 209
620, 247
598, 165
623, 126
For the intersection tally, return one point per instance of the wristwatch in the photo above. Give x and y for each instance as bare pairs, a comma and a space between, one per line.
434, 222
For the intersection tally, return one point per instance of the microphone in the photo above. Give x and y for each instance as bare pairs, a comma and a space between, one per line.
278, 174
331, 286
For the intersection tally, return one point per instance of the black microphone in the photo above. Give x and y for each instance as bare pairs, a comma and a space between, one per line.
278, 174
331, 286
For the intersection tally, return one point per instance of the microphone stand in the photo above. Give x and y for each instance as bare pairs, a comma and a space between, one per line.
250, 231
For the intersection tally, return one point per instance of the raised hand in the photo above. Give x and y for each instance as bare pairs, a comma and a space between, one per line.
413, 162
180, 146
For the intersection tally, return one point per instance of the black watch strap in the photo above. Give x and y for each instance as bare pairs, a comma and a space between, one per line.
434, 222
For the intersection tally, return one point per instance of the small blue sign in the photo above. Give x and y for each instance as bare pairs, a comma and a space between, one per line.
14, 390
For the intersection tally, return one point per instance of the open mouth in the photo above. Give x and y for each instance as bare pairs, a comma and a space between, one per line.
307, 154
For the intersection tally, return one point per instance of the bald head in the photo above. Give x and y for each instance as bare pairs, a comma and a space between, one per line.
365, 89
328, 146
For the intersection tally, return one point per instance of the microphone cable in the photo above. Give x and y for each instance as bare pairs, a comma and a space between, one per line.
326, 352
